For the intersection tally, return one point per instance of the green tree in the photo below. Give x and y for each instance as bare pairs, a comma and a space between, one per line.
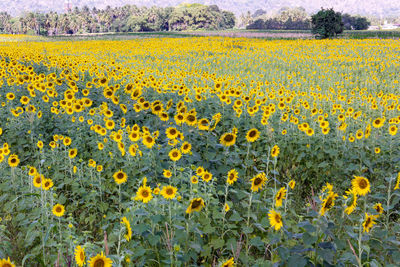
326, 23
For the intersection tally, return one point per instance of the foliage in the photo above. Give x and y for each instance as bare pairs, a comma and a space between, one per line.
355, 23
116, 149
326, 23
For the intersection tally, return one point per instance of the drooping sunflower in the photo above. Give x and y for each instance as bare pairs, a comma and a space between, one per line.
228, 139
360, 185
275, 219
252, 135
378, 207
6, 263
232, 176
167, 173
80, 256
13, 160
258, 181
275, 151
120, 177
369, 222
196, 204
175, 154
72, 153
100, 260
206, 176
328, 203
226, 207
280, 196
127, 225
352, 197
228, 263
186, 148
169, 192
58, 210
292, 184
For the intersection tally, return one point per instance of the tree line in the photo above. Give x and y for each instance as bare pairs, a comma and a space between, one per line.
127, 18
296, 19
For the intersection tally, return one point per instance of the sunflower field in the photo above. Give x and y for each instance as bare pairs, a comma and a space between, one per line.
199, 151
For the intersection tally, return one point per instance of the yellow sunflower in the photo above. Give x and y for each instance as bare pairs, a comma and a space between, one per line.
252, 135
167, 173
393, 130
175, 154
37, 180
13, 160
352, 196
80, 256
47, 184
169, 192
172, 133
67, 141
378, 207
206, 176
228, 263
280, 196
292, 184
144, 193
120, 177
397, 186
72, 153
196, 204
186, 148
228, 139
199, 170
6, 263
194, 179
58, 210
275, 151
275, 219
369, 222
127, 225
232, 176
378, 122
360, 185
100, 261
328, 203
258, 181
148, 141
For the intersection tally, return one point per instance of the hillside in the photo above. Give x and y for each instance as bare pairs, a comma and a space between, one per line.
379, 8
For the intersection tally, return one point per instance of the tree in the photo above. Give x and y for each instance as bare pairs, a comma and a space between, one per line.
327, 23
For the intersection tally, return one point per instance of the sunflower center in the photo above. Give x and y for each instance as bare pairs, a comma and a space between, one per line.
363, 184
13, 160
58, 209
257, 181
368, 222
149, 139
329, 203
172, 131
196, 204
175, 154
120, 175
145, 193
277, 218
252, 133
7, 265
170, 191
190, 118
82, 256
99, 263
228, 138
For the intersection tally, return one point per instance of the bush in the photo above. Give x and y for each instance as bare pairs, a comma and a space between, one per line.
326, 23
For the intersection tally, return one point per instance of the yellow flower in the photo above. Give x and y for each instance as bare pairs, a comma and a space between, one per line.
128, 234
167, 173
58, 210
232, 176
172, 133
80, 256
100, 260
258, 181
275, 219
120, 177
360, 185
148, 141
13, 160
353, 201
228, 263
252, 135
228, 139
67, 141
378, 122
377, 150
40, 144
47, 184
6, 263
196, 204
72, 153
199, 171
175, 154
397, 186
226, 207
369, 222
378, 207
206, 176
186, 147
393, 130
292, 184
275, 151
169, 192
280, 196
144, 193
194, 179
328, 203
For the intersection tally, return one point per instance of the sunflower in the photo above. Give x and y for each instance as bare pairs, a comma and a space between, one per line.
67, 141
360, 185
132, 150
144, 194
206, 176
228, 263
258, 181
196, 204
226, 207
203, 124
120, 177
275, 219
172, 133
378, 207
58, 210
393, 130
328, 203
199, 170
13, 160
169, 192
32, 171
369, 222
186, 147
228, 139
127, 225
275, 151
6, 263
80, 256
353, 201
40, 144
37, 180
47, 184
397, 186
281, 195
292, 184
175, 154
72, 153
194, 179
148, 141
252, 135
378, 122
100, 261
377, 150
167, 173
232, 176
